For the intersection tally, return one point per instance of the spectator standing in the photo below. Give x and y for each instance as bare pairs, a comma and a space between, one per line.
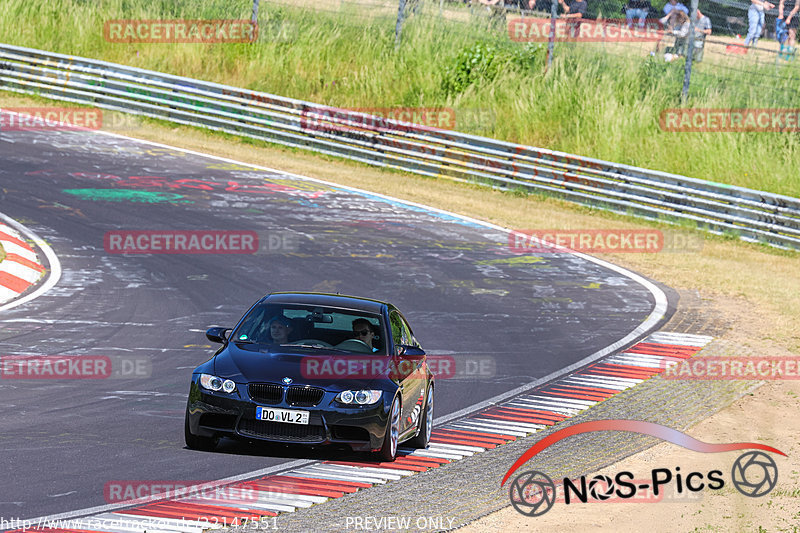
637, 9
755, 19
702, 29
791, 22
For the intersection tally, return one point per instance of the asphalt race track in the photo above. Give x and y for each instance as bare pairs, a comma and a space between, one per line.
464, 292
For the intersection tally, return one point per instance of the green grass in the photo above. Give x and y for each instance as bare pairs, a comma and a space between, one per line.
590, 103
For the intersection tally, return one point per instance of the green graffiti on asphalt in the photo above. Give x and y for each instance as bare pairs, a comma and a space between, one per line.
127, 195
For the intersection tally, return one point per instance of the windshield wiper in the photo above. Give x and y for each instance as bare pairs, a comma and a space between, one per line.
315, 347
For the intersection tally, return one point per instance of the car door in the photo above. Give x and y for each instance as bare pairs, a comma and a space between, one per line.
418, 378
408, 371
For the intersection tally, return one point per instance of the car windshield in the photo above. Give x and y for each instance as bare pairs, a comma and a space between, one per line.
303, 327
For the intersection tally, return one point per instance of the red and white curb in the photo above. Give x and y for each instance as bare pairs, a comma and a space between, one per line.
318, 482
21, 268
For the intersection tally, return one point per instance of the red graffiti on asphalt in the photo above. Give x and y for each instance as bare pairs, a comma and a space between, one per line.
161, 182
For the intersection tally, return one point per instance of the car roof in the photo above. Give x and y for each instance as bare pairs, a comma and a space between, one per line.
327, 300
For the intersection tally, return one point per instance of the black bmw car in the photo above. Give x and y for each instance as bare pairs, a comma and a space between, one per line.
310, 368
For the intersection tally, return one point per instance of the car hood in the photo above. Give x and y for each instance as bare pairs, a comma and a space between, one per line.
255, 363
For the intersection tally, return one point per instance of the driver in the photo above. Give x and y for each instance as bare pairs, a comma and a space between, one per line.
279, 329
362, 330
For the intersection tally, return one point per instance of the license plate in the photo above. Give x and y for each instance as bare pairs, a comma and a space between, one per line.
289, 416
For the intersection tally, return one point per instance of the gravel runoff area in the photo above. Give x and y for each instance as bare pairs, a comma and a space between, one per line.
458, 493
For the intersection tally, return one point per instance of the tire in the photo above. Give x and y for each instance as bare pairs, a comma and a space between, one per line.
426, 424
194, 442
388, 451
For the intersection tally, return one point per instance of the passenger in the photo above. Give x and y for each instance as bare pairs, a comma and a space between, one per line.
363, 331
279, 329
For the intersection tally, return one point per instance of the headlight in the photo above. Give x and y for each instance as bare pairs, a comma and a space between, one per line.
207, 381
360, 397
346, 397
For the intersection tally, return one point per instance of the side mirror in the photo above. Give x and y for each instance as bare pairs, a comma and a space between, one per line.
410, 352
217, 334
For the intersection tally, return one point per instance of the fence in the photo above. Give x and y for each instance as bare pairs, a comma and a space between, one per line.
725, 56
753, 215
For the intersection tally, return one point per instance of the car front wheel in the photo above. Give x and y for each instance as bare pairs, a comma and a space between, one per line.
426, 424
388, 451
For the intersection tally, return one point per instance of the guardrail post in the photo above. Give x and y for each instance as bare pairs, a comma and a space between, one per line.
551, 41
398, 29
687, 72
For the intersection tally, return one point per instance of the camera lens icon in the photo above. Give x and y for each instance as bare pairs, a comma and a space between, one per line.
754, 474
532, 493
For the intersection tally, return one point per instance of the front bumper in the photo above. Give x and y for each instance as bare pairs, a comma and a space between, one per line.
362, 428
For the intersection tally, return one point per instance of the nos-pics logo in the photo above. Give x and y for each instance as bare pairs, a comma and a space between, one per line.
533, 493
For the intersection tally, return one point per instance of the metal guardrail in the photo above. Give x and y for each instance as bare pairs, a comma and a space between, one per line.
750, 214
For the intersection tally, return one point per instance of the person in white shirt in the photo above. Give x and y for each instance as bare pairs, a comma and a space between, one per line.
702, 29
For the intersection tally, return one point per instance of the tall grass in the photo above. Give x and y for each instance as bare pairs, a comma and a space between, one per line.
588, 102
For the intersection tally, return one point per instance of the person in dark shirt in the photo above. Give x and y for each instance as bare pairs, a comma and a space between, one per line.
575, 10
574, 13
